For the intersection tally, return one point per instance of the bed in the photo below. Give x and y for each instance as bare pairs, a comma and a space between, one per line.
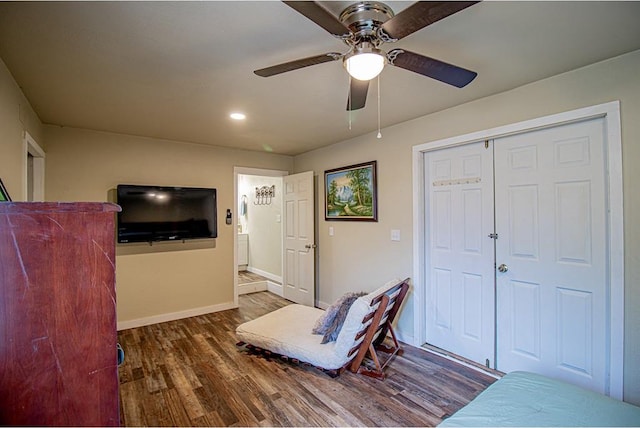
528, 399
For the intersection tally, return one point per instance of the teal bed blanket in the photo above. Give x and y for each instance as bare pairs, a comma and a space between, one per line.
527, 399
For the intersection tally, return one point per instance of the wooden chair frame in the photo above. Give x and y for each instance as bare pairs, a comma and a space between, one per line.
377, 330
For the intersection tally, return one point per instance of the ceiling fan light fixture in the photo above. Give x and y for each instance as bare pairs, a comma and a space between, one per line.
364, 63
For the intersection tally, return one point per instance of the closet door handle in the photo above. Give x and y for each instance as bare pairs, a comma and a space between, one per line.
503, 268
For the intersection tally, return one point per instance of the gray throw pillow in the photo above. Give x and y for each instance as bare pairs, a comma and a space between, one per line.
330, 323
324, 322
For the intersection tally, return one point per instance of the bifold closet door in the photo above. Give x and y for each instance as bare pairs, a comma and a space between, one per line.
551, 253
460, 274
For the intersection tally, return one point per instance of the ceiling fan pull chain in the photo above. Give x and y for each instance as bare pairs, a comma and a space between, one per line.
379, 133
350, 95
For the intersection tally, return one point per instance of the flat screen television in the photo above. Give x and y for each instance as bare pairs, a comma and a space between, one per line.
155, 213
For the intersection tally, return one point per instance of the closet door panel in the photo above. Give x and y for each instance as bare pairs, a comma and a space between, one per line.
550, 217
459, 261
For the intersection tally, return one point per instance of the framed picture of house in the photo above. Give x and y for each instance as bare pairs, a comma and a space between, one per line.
4, 195
351, 193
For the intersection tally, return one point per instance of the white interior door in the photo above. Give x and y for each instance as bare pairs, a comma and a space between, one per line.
299, 238
460, 301
552, 293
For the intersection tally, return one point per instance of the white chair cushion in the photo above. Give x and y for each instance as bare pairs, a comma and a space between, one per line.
287, 331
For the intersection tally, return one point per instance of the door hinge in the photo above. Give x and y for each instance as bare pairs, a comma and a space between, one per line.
486, 144
487, 363
493, 235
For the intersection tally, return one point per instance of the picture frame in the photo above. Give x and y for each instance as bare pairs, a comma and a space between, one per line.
4, 195
351, 192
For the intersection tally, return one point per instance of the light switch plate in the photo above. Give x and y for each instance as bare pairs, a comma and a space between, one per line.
395, 234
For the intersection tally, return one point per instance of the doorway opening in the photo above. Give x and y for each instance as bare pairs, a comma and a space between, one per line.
33, 170
258, 231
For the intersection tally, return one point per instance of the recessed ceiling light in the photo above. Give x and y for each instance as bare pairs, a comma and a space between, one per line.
238, 116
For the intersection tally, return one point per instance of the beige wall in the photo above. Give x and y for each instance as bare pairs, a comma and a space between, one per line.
16, 117
166, 278
379, 259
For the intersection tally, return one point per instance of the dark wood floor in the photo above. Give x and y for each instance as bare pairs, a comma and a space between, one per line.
191, 373
246, 277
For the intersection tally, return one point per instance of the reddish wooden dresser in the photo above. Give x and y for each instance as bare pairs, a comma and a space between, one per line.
58, 362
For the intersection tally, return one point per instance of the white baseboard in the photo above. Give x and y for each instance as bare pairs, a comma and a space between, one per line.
403, 337
252, 287
275, 288
155, 319
322, 305
268, 275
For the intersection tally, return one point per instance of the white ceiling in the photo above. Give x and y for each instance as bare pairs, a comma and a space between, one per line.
175, 70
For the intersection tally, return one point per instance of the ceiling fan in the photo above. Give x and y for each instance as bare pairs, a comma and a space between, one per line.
364, 27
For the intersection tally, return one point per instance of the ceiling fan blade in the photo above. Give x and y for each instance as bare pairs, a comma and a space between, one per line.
320, 16
299, 63
430, 67
421, 14
357, 94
